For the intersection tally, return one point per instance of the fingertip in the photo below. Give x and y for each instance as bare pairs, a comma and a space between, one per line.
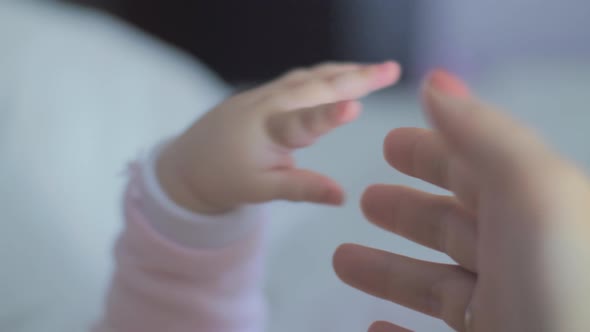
445, 97
381, 326
333, 196
345, 112
397, 147
353, 264
352, 110
341, 258
323, 190
390, 146
465, 124
391, 69
389, 73
366, 198
373, 200
378, 327
447, 83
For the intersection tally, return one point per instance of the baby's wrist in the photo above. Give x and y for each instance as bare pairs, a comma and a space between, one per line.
173, 179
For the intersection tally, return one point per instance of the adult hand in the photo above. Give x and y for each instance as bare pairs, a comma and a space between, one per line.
517, 215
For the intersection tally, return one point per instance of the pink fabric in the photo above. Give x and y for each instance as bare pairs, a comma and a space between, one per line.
159, 286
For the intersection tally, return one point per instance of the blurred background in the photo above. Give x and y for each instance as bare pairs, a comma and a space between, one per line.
257, 40
86, 86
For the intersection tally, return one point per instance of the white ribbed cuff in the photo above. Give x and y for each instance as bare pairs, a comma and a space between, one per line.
183, 226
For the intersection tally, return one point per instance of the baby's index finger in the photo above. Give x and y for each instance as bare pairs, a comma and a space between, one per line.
348, 85
376, 76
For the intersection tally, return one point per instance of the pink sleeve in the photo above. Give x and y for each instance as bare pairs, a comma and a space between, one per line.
161, 286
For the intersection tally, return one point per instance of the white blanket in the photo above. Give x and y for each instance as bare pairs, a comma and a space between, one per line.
81, 94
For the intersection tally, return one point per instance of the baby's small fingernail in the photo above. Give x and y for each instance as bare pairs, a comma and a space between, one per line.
378, 76
387, 72
389, 65
447, 83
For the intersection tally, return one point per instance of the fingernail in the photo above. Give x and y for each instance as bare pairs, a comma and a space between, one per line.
448, 84
387, 66
445, 95
387, 72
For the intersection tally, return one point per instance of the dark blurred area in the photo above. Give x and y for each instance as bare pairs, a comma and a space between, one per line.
255, 40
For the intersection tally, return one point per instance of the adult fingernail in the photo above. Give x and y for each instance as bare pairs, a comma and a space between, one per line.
446, 83
444, 93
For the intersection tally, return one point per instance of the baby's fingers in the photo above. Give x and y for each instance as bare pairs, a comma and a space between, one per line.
299, 185
321, 71
349, 85
301, 128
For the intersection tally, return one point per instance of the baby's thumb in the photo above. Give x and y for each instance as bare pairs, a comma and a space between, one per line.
299, 185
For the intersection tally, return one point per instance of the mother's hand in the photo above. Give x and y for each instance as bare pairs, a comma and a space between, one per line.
511, 195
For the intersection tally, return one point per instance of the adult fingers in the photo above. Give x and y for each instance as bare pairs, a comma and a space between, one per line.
421, 153
437, 222
493, 144
439, 290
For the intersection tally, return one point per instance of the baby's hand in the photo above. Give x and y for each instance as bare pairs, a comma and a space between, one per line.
241, 151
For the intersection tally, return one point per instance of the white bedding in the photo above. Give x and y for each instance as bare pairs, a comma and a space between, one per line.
80, 95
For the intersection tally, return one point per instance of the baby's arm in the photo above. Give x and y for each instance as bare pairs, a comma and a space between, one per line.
190, 256
196, 273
